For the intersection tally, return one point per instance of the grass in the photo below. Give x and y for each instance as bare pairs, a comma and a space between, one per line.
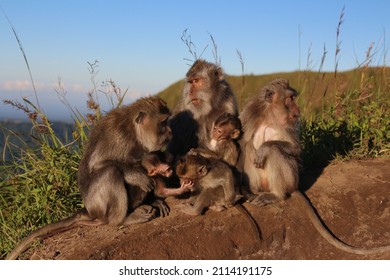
344, 115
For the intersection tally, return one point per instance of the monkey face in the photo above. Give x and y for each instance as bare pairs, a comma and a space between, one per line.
191, 168
292, 107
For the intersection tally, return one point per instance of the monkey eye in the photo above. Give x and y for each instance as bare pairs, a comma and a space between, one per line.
162, 126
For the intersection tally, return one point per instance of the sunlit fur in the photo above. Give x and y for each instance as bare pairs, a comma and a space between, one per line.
191, 121
270, 143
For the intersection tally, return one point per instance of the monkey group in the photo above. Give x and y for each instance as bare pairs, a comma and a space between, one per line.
205, 152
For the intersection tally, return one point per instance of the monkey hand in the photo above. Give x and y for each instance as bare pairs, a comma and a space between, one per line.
192, 152
260, 158
187, 186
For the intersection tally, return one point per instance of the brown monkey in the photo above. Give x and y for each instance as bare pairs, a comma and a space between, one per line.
270, 144
213, 183
112, 182
224, 133
159, 165
206, 95
271, 150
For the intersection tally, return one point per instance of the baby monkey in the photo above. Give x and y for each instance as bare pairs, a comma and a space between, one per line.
159, 165
224, 135
213, 183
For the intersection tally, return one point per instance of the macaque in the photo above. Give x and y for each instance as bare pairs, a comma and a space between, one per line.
271, 151
213, 183
224, 133
159, 165
270, 143
206, 95
112, 183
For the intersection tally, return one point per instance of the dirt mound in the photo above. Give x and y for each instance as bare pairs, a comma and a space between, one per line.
353, 199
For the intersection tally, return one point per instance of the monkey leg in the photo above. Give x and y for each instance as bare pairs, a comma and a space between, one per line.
189, 210
141, 214
107, 199
217, 207
264, 198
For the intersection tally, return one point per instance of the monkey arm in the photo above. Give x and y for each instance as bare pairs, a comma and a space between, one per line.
137, 176
162, 191
204, 153
277, 146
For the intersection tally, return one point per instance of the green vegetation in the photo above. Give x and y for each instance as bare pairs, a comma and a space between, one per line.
344, 114
39, 181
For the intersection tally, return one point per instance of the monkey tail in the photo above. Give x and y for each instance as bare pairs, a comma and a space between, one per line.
329, 236
80, 218
254, 224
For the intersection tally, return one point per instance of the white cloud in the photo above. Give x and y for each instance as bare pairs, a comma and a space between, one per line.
15, 85
24, 85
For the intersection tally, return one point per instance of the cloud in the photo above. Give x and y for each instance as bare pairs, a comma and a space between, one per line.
25, 85
15, 85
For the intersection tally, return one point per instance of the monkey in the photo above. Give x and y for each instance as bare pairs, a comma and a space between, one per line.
111, 181
269, 163
206, 95
226, 129
159, 165
270, 143
214, 185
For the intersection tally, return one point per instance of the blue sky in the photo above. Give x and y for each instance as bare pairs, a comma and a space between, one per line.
138, 45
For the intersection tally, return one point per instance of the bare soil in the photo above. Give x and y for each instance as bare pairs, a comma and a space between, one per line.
352, 198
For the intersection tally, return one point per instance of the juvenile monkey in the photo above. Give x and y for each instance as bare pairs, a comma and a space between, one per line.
159, 165
270, 154
206, 95
213, 183
111, 181
224, 133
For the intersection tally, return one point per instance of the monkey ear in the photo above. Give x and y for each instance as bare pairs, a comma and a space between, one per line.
235, 134
202, 171
140, 117
152, 172
219, 73
269, 94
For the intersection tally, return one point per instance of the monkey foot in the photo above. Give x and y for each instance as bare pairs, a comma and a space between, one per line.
188, 209
162, 207
263, 199
141, 214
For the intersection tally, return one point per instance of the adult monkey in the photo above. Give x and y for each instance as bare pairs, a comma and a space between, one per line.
111, 180
206, 95
270, 155
270, 143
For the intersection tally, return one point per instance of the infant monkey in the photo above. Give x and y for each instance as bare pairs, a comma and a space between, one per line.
224, 135
159, 165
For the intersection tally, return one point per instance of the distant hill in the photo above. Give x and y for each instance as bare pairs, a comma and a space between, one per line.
314, 87
18, 132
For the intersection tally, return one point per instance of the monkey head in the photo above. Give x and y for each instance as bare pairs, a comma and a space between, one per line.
201, 82
226, 126
191, 168
151, 123
280, 98
157, 163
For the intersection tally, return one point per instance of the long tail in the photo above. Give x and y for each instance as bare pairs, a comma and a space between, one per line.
250, 218
330, 237
78, 219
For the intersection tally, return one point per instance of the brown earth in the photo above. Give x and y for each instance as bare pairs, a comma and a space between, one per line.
353, 199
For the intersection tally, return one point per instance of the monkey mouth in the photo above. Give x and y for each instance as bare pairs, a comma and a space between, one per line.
196, 101
186, 180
